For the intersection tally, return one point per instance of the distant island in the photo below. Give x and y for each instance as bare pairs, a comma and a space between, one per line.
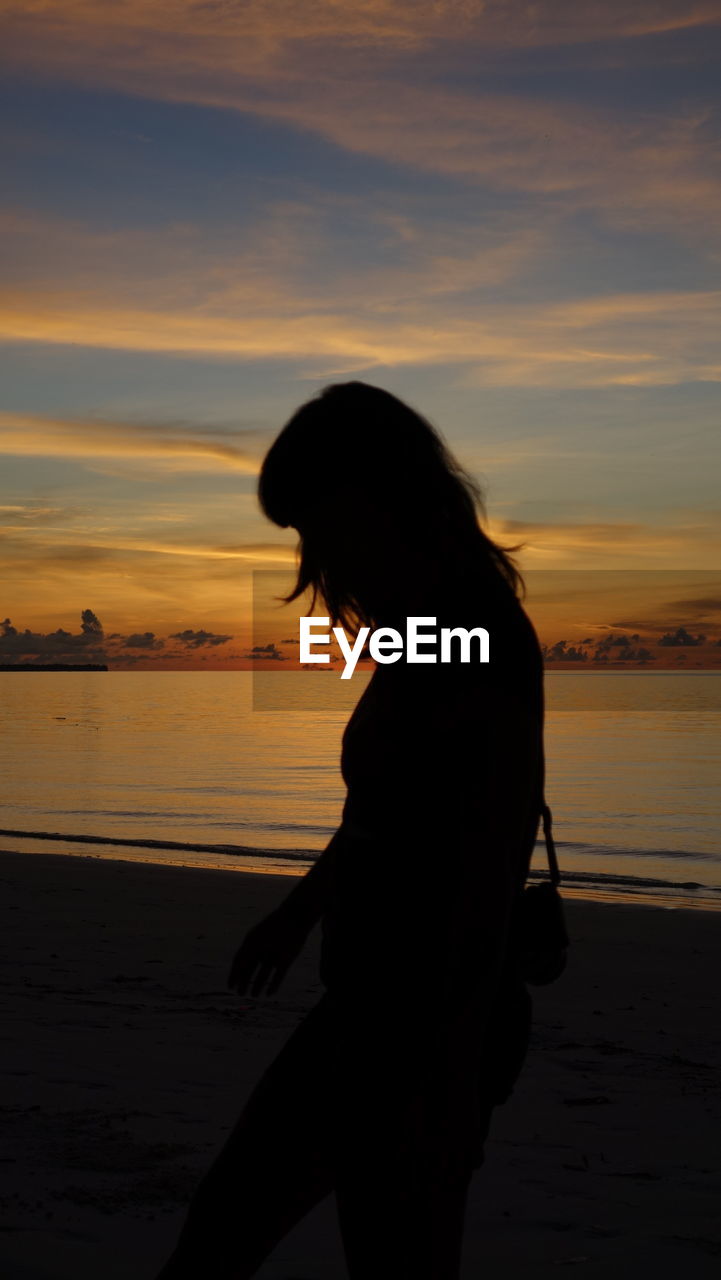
53, 666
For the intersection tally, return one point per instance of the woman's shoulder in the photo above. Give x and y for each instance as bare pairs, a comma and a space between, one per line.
465, 680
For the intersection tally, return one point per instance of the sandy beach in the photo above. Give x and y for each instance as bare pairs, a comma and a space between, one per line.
126, 1060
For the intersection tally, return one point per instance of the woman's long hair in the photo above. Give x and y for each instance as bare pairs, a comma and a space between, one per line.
374, 493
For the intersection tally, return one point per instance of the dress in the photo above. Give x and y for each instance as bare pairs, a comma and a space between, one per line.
384, 1091
444, 773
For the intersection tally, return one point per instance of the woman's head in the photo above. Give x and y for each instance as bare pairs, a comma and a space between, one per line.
383, 510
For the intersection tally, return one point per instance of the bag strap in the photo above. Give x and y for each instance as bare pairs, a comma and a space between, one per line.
547, 820
546, 815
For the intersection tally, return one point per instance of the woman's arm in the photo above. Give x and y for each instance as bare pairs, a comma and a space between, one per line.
307, 900
271, 946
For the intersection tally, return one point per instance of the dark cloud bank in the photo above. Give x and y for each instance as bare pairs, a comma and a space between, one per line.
91, 645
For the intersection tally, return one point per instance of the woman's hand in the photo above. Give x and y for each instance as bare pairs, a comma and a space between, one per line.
268, 950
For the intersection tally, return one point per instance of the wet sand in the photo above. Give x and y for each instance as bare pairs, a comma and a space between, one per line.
126, 1060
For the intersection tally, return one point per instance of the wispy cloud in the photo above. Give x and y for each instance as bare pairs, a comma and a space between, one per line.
341, 286
28, 435
669, 544
35, 511
373, 78
83, 546
625, 340
266, 35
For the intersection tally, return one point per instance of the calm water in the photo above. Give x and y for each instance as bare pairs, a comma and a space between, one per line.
634, 765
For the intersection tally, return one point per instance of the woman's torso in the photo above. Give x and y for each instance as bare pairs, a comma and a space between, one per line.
444, 772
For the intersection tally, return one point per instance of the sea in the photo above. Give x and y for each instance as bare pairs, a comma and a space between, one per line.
240, 770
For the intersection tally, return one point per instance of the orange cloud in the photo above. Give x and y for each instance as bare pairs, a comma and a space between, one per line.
135, 583
623, 340
673, 544
32, 435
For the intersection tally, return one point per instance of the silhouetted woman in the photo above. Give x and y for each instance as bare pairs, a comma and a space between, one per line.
384, 1092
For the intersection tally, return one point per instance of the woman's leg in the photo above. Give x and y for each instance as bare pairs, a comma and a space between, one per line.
272, 1170
402, 1224
401, 1187
303, 1132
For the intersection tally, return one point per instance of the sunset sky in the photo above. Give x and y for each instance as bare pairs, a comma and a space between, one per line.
507, 213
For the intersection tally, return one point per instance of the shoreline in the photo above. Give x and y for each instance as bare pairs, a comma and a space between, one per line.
217, 861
